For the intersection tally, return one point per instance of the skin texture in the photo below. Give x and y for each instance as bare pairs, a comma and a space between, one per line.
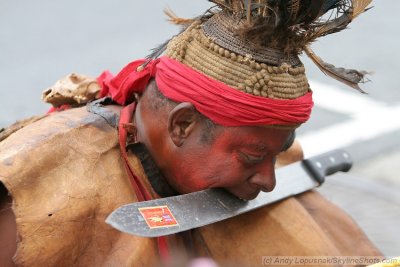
239, 159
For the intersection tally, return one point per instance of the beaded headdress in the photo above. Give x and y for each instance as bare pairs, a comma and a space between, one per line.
253, 45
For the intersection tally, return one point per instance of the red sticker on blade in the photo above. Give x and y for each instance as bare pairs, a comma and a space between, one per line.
159, 216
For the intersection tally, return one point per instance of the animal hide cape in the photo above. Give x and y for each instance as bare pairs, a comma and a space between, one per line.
65, 175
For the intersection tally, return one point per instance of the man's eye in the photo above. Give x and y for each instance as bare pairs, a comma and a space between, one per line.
251, 159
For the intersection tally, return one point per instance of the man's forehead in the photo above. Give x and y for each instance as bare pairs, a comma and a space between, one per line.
256, 138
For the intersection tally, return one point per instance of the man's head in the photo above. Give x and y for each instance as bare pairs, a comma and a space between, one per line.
235, 90
195, 153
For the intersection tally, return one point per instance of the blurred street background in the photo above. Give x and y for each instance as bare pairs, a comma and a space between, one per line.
42, 41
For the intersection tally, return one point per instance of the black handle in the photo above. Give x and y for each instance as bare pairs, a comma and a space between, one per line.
327, 164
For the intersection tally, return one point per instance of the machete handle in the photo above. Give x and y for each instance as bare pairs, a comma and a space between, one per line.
327, 164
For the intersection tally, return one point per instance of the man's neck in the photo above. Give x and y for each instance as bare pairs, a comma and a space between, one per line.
153, 173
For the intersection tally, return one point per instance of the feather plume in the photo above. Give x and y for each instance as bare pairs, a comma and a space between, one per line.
290, 25
349, 77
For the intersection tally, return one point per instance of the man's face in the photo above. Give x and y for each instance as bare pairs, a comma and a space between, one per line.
239, 159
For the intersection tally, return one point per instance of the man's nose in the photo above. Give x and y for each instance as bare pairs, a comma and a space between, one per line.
264, 177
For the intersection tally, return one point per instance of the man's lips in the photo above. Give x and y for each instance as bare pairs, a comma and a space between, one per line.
245, 196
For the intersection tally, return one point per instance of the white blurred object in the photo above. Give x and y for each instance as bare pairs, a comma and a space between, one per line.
203, 262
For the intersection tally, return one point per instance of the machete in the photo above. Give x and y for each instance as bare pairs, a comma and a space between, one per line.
172, 215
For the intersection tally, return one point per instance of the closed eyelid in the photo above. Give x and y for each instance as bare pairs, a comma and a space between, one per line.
252, 159
255, 158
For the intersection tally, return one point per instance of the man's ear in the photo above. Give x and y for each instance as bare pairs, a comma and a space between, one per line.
181, 121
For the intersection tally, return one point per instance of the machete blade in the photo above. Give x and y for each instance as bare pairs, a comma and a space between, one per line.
172, 215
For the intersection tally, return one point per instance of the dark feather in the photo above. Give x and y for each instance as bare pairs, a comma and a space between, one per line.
312, 12
349, 77
157, 51
329, 5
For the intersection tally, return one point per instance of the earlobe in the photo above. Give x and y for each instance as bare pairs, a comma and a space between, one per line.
181, 122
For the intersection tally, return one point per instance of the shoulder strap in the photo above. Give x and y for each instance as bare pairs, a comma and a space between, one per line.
140, 190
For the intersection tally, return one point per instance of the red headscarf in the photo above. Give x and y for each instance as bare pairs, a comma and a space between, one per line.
215, 100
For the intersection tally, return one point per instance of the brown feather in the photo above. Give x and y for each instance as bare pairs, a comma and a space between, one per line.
359, 6
248, 11
332, 26
349, 77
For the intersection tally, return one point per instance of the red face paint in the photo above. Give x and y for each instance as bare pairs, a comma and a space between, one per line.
239, 159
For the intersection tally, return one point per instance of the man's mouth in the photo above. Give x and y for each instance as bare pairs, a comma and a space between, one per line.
246, 197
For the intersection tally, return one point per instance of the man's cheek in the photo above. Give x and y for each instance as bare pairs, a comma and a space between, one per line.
192, 185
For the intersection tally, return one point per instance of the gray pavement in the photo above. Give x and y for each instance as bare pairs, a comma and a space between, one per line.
374, 206
43, 40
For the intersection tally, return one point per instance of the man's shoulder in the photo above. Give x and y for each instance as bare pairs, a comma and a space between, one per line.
57, 136
62, 125
65, 175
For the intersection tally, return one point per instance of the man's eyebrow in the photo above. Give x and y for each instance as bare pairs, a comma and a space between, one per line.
262, 147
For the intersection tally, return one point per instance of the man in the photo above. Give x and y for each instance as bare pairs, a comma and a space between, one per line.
214, 111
